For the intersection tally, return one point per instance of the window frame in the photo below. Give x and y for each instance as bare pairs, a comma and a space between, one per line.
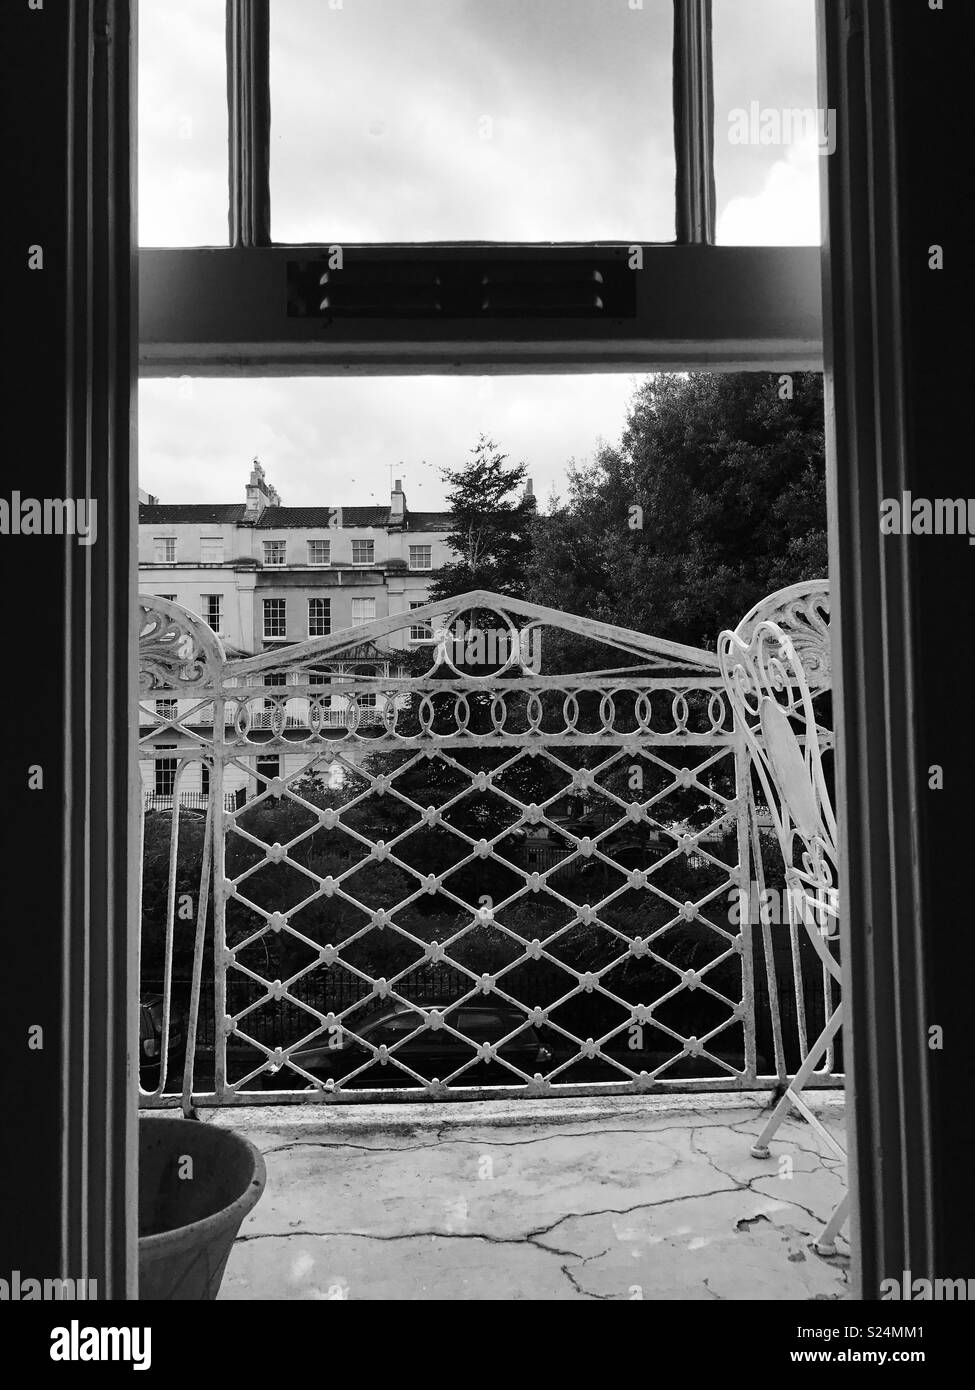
317, 540
274, 637
421, 569
224, 310
207, 601
317, 598
364, 564
267, 549
427, 628
361, 622
170, 543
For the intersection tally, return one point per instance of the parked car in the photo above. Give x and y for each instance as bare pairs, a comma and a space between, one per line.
431, 1052
150, 1037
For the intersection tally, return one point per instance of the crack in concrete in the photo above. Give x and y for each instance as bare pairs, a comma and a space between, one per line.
556, 1136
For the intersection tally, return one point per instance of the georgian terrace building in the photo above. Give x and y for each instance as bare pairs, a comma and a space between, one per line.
263, 576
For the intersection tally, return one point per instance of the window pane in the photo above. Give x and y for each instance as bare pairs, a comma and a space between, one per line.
183, 197
439, 120
769, 138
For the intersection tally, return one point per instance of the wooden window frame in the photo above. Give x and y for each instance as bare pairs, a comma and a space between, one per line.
224, 310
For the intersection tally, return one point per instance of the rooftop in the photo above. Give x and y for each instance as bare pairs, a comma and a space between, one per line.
284, 518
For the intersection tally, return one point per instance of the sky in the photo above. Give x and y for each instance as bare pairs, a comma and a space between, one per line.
418, 120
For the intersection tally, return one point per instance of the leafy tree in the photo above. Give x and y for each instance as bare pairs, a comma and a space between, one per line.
714, 497
492, 525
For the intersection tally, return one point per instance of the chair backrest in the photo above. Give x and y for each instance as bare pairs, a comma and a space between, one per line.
776, 669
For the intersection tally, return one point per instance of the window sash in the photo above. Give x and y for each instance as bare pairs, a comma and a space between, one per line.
363, 552
211, 550
275, 617
213, 610
164, 772
420, 632
363, 611
164, 550
319, 617
421, 557
275, 552
319, 552
697, 305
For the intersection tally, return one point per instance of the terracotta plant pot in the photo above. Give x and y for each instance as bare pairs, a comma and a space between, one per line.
197, 1182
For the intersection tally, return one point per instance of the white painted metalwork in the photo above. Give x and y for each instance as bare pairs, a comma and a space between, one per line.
543, 846
776, 667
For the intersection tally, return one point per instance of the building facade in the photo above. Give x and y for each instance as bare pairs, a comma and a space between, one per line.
264, 576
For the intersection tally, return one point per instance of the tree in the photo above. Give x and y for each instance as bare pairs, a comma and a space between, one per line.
714, 497
492, 525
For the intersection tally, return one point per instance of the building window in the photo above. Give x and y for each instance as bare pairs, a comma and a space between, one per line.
165, 550
165, 770
275, 618
275, 552
211, 550
268, 766
166, 709
421, 557
275, 678
363, 552
321, 678
319, 617
319, 552
213, 610
205, 778
363, 611
171, 598
420, 632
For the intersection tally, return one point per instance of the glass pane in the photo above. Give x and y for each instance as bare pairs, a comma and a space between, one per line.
769, 137
183, 198
481, 120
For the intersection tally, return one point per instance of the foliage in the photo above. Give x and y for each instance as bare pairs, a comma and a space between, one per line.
714, 497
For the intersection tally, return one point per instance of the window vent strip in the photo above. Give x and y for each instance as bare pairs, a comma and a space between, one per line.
601, 286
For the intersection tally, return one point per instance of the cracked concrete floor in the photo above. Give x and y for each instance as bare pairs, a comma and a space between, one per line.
608, 1198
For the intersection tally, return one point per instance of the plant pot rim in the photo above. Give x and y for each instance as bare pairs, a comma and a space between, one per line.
159, 1242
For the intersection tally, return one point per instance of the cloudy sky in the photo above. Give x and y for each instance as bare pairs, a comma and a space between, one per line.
418, 120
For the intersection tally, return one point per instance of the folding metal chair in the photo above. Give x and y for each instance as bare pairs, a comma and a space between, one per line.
775, 665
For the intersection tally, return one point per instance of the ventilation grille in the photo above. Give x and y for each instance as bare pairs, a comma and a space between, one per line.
583, 287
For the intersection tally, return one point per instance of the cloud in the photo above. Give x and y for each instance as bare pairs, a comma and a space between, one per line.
786, 210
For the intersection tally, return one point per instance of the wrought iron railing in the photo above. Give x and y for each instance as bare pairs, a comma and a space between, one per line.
190, 801
507, 878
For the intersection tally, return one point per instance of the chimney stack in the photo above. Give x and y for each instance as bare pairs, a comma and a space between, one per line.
259, 494
397, 504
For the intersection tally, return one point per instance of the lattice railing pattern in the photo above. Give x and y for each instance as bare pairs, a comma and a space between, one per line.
462, 877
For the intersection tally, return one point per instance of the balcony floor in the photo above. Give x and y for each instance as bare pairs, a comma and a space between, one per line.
609, 1198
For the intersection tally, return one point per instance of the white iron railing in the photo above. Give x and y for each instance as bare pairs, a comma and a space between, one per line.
513, 876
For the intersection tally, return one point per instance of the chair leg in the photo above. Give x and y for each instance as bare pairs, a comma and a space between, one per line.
790, 1097
826, 1244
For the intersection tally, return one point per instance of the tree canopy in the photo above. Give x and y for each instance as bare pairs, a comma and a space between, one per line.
714, 497
492, 525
